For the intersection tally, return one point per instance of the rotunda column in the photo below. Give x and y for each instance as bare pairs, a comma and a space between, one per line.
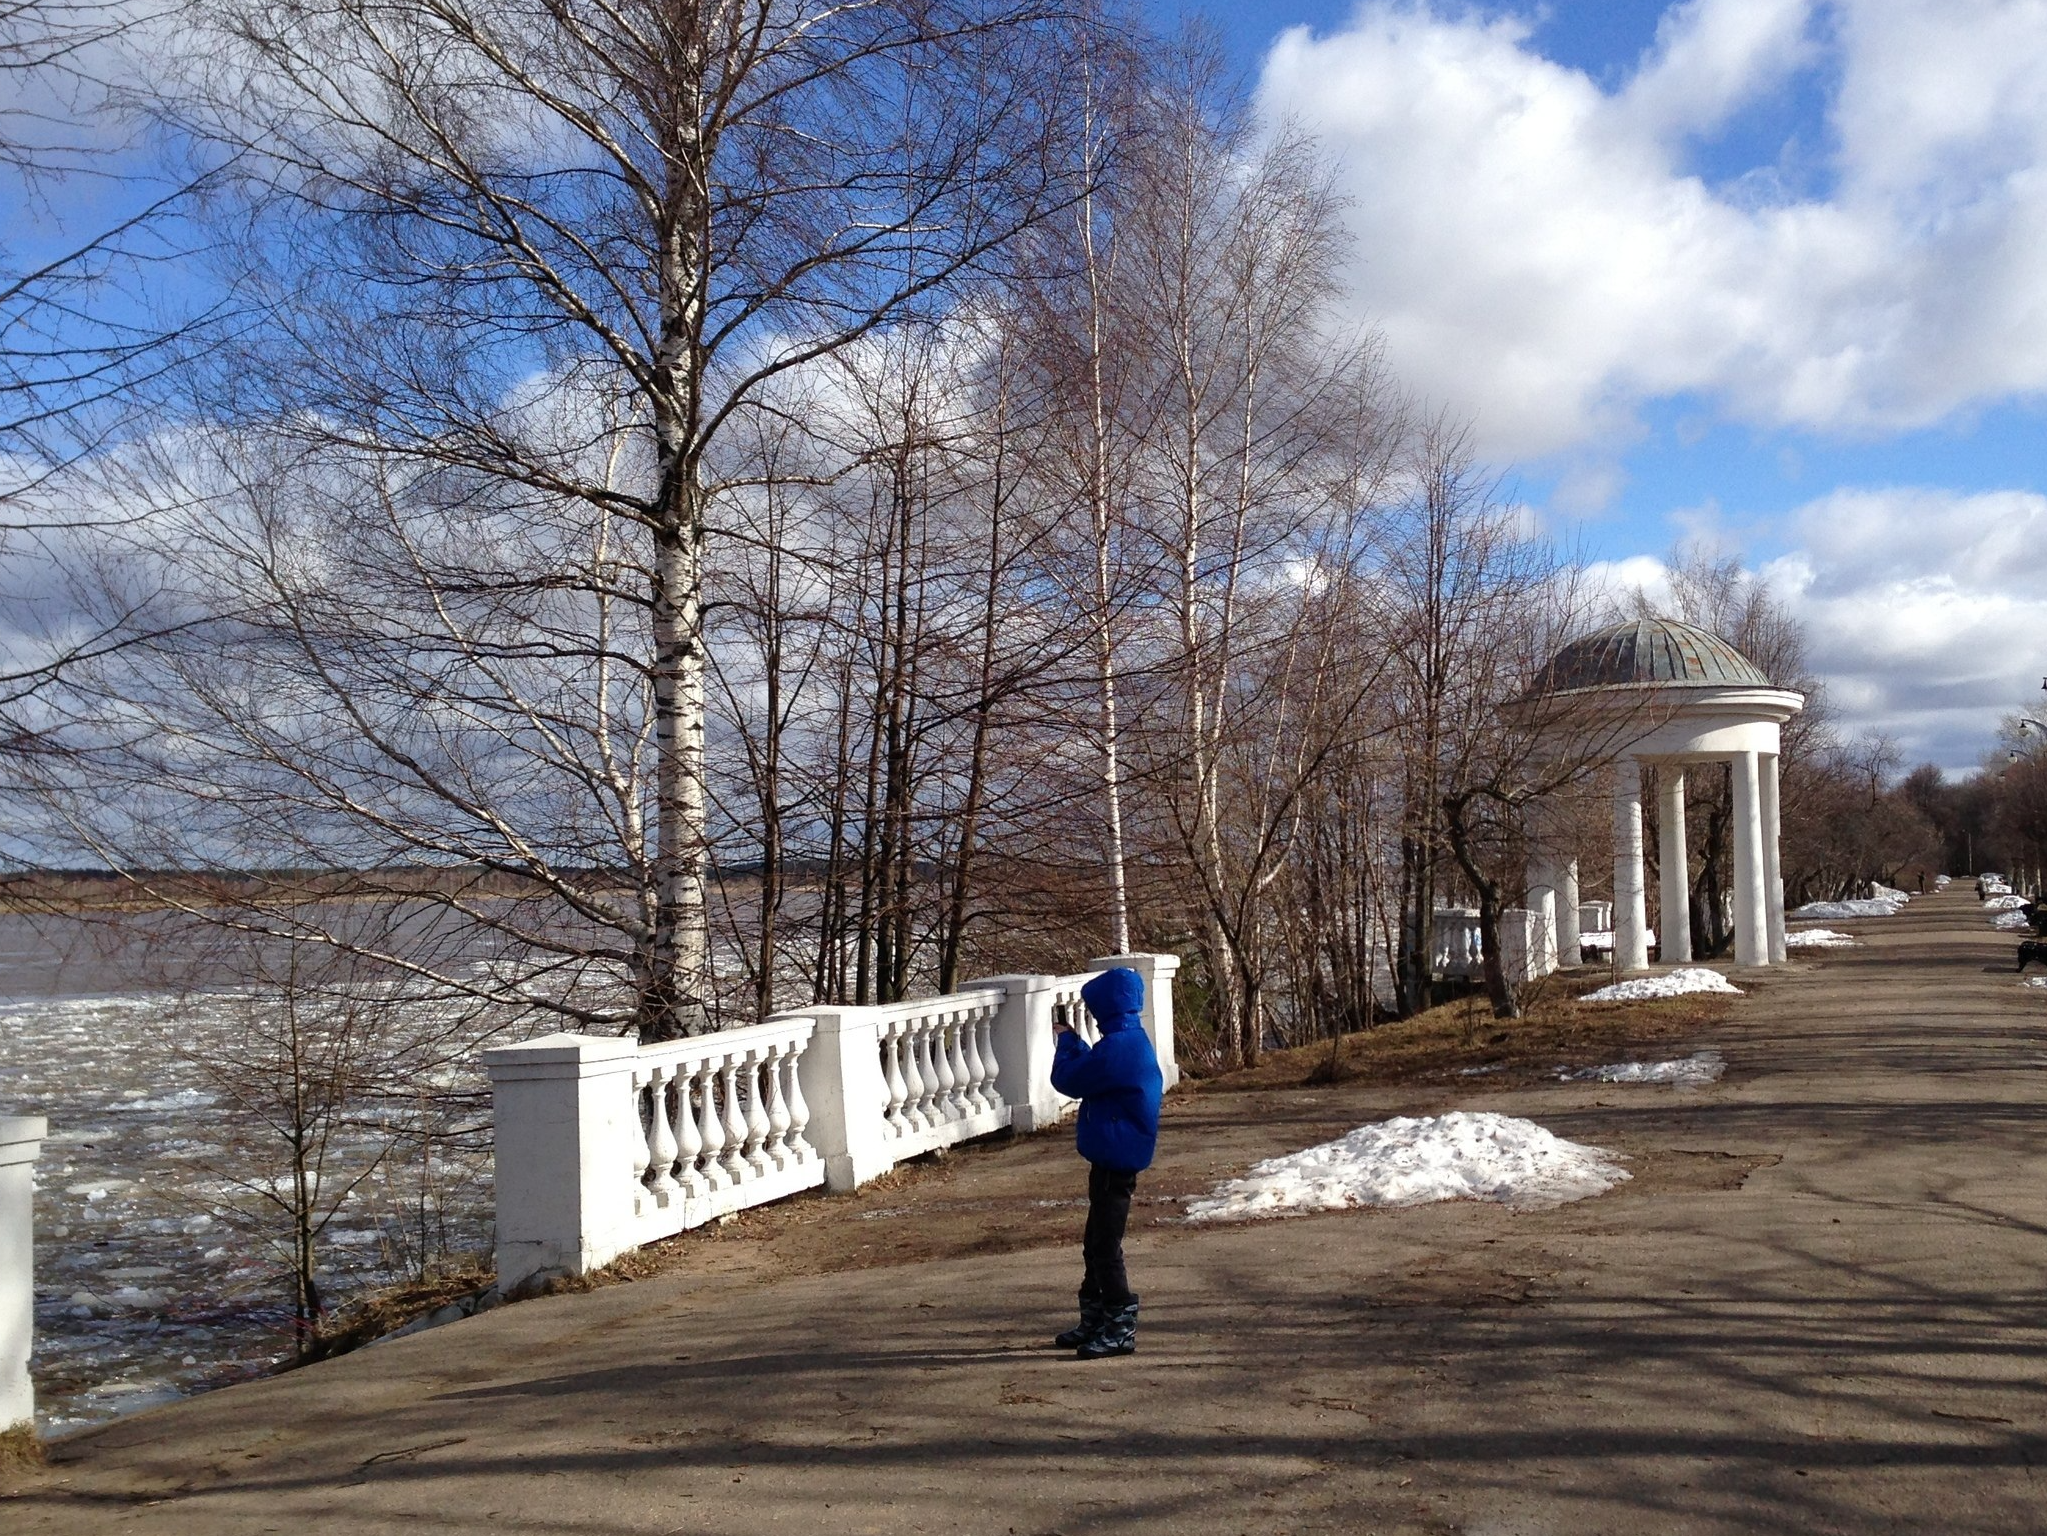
1773, 861
1674, 920
1630, 899
1567, 911
1751, 906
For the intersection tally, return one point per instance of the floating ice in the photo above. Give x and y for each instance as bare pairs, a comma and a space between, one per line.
1686, 1072
1415, 1161
1677, 983
1818, 938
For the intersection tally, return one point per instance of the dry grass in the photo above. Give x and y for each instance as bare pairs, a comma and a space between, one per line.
1459, 1036
21, 1452
368, 1318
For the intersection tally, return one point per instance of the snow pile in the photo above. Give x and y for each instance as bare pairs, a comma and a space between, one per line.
2034, 981
2010, 922
2005, 903
1942, 882
1602, 938
1869, 906
1818, 938
1415, 1161
1884, 892
1690, 978
1687, 1072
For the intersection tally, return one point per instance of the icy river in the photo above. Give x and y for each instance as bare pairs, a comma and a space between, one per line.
156, 1274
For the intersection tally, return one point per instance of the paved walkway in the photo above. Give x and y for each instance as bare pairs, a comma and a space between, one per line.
1818, 1307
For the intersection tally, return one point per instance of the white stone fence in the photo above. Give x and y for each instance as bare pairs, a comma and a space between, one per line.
604, 1144
21, 1139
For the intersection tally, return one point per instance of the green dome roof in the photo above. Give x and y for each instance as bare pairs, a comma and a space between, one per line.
1654, 653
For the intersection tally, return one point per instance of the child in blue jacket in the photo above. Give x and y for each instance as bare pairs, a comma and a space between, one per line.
1119, 1086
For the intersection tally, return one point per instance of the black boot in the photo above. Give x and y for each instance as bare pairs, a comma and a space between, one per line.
1092, 1316
1118, 1335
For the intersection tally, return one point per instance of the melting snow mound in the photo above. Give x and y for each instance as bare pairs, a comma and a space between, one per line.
1871, 906
1416, 1161
2010, 922
2004, 903
1687, 1072
1637, 989
1818, 938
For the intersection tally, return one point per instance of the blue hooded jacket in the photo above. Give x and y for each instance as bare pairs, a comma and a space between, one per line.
1117, 1080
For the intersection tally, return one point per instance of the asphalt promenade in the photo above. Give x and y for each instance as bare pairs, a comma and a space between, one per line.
1818, 1307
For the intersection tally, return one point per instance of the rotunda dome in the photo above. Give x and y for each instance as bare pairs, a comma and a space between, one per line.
1649, 653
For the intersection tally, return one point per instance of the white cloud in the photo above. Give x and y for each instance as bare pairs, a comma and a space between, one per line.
1923, 608
1538, 251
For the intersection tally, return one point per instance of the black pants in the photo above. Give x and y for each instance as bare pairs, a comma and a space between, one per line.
1101, 1246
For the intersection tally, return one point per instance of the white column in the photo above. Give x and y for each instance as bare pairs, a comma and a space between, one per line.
21, 1138
1773, 862
1674, 923
565, 1128
1567, 912
1751, 909
1158, 972
1541, 897
1630, 900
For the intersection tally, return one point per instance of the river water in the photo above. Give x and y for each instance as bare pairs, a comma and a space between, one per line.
158, 1266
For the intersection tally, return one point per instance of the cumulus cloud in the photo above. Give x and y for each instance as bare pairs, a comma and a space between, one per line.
1923, 608
1541, 250
1920, 606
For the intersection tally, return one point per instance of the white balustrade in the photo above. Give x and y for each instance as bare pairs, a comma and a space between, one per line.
21, 1139
603, 1145
1454, 943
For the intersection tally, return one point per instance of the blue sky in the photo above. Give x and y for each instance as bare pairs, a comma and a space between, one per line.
1760, 271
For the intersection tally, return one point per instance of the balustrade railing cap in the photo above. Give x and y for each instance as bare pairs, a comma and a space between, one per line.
560, 1050
21, 1137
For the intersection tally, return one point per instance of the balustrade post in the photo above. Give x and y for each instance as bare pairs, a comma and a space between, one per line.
841, 1082
1520, 945
1158, 972
1023, 1050
21, 1139
566, 1119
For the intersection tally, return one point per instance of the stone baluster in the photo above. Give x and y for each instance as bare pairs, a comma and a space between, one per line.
661, 1144
776, 1148
945, 1104
757, 1122
956, 1056
913, 1080
991, 1069
898, 1087
799, 1111
977, 1099
711, 1129
645, 1085
735, 1120
689, 1140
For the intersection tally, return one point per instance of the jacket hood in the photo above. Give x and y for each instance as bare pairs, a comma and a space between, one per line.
1116, 999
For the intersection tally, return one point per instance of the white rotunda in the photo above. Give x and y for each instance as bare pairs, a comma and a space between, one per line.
1659, 693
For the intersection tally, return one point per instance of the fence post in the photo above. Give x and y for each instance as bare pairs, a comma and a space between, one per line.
21, 1139
566, 1118
1023, 1050
1158, 972
842, 1083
